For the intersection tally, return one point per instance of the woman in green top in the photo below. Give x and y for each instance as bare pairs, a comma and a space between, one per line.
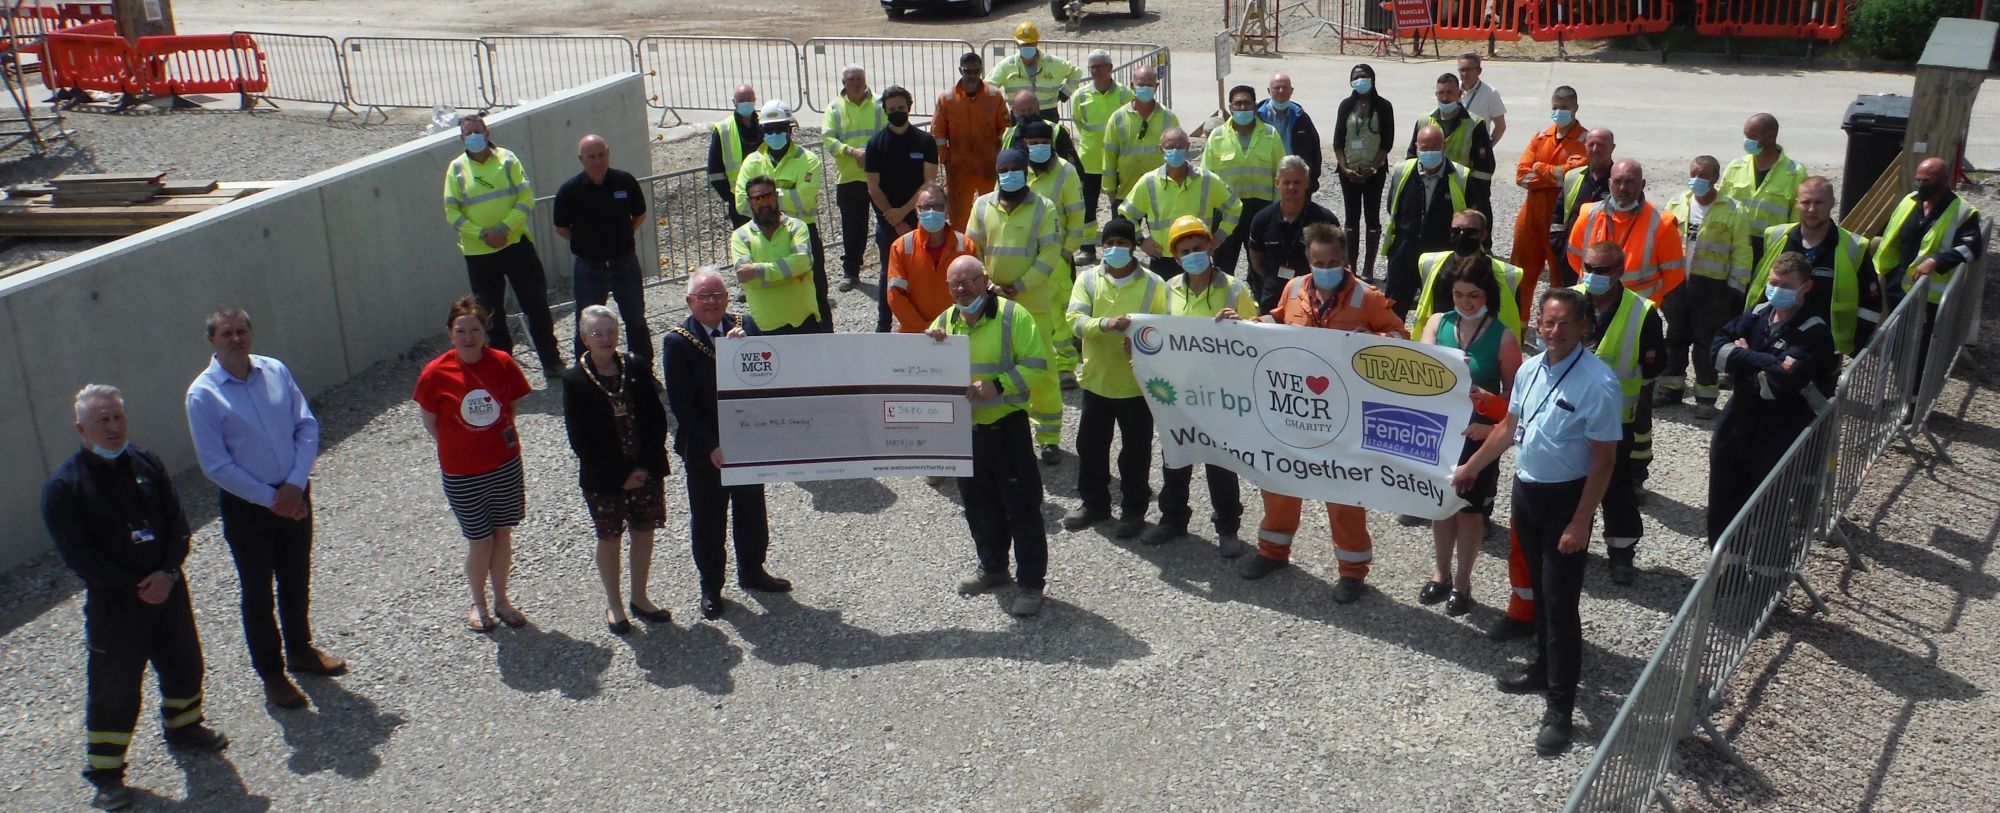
1492, 354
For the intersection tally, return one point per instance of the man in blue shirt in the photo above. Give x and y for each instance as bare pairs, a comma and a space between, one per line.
1565, 413
256, 438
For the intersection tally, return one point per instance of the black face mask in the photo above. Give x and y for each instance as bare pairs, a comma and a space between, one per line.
1466, 241
898, 118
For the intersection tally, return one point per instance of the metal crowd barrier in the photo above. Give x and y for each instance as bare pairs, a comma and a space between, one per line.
417, 72
527, 68
701, 73
304, 68
1772, 19
927, 68
1955, 327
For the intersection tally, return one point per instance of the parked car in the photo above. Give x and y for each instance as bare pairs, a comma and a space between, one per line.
1062, 9
979, 8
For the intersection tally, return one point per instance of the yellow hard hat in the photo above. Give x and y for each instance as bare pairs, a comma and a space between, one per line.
1027, 34
1185, 226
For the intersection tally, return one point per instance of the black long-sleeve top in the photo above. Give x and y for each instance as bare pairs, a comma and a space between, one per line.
1771, 400
690, 368
602, 462
1380, 111
117, 521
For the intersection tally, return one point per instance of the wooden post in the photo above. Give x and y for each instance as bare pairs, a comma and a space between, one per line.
1948, 77
144, 18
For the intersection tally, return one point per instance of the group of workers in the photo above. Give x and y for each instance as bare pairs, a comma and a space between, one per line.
1744, 272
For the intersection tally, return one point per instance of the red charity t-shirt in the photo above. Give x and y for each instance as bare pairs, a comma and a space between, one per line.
475, 409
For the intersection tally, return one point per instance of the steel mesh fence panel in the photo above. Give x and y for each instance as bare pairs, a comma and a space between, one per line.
527, 68
417, 72
303, 68
701, 73
927, 68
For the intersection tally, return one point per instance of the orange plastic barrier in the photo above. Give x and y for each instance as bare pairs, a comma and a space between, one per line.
1477, 19
80, 13
199, 63
89, 57
1772, 19
1596, 19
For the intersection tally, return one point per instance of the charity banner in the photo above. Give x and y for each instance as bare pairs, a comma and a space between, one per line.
1325, 415
843, 406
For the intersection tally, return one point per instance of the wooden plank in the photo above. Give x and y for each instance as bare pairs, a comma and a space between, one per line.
20, 267
188, 187
108, 177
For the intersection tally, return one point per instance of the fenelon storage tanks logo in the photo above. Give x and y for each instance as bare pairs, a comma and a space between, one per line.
1403, 370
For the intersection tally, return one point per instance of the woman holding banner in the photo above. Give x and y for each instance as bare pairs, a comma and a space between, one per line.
1492, 354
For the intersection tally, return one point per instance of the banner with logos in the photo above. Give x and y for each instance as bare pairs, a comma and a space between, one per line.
1325, 415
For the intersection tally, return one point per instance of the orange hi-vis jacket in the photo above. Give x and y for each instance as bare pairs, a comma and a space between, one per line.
1549, 154
1655, 259
967, 128
917, 293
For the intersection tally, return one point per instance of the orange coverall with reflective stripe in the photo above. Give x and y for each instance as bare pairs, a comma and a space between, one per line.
967, 129
1650, 274
917, 292
1356, 306
1550, 153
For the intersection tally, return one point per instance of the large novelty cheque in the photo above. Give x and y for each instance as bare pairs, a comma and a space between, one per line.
1325, 415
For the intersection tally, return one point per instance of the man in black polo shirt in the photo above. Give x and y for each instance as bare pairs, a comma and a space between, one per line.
899, 160
1277, 234
598, 212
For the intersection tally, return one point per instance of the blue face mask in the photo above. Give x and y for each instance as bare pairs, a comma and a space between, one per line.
1448, 108
1752, 147
1783, 299
932, 220
1030, 52
1039, 153
969, 311
1174, 158
1430, 159
1013, 180
109, 454
1242, 117
1144, 93
1562, 118
746, 109
1327, 279
1195, 263
776, 141
1699, 186
1117, 256
1362, 85
1597, 284
1280, 108
475, 142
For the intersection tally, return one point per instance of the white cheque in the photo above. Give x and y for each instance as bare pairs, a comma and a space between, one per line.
843, 406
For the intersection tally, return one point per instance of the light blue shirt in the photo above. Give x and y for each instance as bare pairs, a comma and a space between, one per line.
255, 434
1560, 408
1280, 122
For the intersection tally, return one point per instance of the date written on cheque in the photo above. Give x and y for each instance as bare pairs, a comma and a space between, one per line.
916, 411
918, 371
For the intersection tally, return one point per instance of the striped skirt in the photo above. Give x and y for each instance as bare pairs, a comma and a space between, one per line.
482, 502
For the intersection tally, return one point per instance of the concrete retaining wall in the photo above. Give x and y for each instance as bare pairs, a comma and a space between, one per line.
340, 270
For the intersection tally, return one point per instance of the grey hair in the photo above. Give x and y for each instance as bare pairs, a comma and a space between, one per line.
852, 68
597, 312
92, 393
1096, 54
1293, 163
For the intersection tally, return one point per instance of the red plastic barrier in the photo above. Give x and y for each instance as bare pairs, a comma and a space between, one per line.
199, 63
1477, 19
89, 57
1772, 19
1597, 19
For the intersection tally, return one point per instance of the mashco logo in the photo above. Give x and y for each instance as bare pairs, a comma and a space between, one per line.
756, 364
1403, 370
1147, 341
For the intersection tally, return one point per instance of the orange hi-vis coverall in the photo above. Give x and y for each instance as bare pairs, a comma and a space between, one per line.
1355, 306
917, 292
1550, 153
967, 127
1655, 257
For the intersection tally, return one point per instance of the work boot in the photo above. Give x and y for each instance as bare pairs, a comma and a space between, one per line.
848, 283
1509, 629
1621, 564
1129, 526
1084, 516
983, 581
1347, 589
1259, 566
1229, 546
1068, 380
311, 661
1704, 409
1051, 454
1556, 730
1668, 396
1374, 242
1527, 681
197, 737
1026, 603
280, 692
1162, 534
111, 794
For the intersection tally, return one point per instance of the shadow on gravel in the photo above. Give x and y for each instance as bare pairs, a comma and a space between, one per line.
699, 656
340, 733
1687, 520
849, 496
38, 586
787, 632
213, 786
537, 660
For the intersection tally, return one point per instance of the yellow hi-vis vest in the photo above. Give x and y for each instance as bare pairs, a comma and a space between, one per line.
1774, 201
1458, 142
1050, 79
1158, 200
1620, 346
784, 295
1091, 111
1252, 171
1132, 146
1064, 188
1224, 291
1008, 349
1020, 249
1454, 182
1572, 192
732, 150
1721, 250
847, 127
1106, 368
479, 195
1432, 265
797, 175
1846, 306
1889, 253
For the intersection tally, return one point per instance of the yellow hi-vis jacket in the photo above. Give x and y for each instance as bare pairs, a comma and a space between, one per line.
1008, 349
1051, 78
1132, 146
1021, 249
1721, 250
1431, 266
784, 296
797, 174
1620, 346
1770, 203
1157, 200
1063, 186
479, 195
1224, 291
1091, 111
1106, 368
1889, 259
846, 129
1251, 171
1845, 308
1455, 180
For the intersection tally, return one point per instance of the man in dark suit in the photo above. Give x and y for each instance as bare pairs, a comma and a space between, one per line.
688, 353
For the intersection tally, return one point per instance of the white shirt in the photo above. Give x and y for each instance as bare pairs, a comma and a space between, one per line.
1483, 101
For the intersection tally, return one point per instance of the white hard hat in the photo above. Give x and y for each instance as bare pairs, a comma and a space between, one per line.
774, 112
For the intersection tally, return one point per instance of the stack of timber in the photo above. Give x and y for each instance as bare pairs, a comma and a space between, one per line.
111, 205
1871, 213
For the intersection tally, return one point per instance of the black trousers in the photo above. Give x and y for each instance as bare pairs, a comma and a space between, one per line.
856, 213
520, 266
1694, 312
1003, 501
885, 236
1223, 497
1166, 267
1402, 281
125, 634
269, 548
593, 283
1270, 290
1093, 189
1232, 246
1541, 511
710, 507
1135, 456
1363, 201
1628, 476
819, 274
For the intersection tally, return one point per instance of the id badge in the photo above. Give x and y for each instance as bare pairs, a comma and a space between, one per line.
1287, 272
1520, 433
141, 536
1356, 144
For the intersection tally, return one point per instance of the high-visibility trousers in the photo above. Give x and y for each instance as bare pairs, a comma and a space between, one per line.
1055, 322
1520, 603
1045, 409
1531, 251
1351, 543
963, 184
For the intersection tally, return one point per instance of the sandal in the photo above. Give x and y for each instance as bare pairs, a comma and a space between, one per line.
512, 617
479, 621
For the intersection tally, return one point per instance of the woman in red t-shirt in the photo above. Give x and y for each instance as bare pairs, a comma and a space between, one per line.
467, 396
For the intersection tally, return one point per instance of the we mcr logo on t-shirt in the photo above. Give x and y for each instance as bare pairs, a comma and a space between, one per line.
479, 409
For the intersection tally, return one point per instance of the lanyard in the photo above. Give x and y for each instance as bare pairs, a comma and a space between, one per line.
1578, 351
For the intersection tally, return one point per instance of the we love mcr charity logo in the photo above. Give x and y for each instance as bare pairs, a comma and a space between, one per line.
1300, 398
756, 364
